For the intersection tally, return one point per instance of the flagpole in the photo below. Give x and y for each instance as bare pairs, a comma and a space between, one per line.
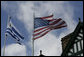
33, 36
4, 45
5, 38
32, 47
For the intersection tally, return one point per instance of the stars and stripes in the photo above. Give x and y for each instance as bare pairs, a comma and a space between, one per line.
11, 30
43, 25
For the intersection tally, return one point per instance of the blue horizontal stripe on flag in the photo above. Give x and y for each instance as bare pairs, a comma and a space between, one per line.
8, 29
17, 33
40, 22
11, 31
14, 36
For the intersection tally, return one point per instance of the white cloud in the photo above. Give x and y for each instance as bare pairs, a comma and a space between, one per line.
50, 43
25, 14
15, 50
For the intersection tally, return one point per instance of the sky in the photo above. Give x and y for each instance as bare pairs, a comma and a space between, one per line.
21, 13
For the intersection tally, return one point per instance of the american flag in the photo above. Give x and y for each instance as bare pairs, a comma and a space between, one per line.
43, 25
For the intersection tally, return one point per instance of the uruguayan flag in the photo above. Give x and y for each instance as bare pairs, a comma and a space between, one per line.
11, 30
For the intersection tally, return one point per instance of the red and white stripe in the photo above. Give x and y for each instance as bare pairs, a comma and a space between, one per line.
54, 24
39, 32
48, 17
57, 23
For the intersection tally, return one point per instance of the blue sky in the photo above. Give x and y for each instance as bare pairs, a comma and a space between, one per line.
22, 18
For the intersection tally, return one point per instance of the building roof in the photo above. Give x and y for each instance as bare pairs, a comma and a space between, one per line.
65, 40
72, 38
